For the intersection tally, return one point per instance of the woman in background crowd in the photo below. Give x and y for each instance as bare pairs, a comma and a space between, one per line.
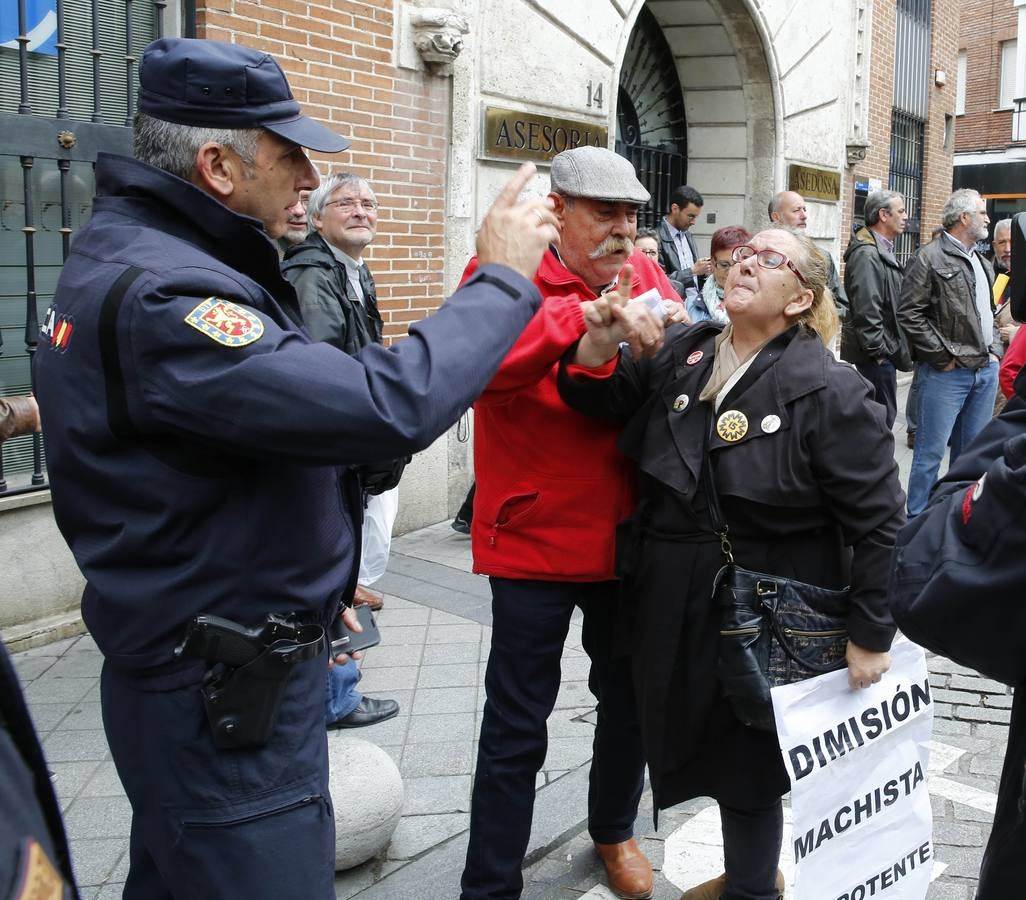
709, 304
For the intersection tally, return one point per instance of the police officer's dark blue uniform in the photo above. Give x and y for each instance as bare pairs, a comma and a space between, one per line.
33, 849
958, 587
34, 858
192, 434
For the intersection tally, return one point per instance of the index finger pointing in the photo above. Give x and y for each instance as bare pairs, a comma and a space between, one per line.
508, 195
624, 282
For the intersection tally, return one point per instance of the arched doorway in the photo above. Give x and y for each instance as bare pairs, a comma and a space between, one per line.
651, 130
696, 83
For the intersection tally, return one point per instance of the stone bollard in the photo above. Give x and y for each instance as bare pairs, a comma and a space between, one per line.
367, 793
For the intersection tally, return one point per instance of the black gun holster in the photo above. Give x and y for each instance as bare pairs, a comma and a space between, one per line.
243, 702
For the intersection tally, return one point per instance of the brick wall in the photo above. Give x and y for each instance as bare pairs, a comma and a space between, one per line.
985, 24
937, 159
881, 92
338, 55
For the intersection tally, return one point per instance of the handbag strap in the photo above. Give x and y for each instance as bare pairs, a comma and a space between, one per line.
719, 523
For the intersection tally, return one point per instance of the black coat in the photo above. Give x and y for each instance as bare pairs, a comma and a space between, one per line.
872, 279
809, 491
322, 286
937, 308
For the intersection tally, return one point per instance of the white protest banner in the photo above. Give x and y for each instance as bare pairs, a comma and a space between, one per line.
857, 760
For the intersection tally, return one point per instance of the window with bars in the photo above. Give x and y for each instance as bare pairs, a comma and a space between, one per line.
911, 99
906, 177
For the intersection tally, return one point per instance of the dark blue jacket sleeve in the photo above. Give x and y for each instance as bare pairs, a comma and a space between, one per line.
282, 395
957, 580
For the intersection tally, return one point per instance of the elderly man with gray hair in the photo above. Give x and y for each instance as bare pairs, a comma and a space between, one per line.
551, 487
338, 304
871, 339
945, 310
337, 297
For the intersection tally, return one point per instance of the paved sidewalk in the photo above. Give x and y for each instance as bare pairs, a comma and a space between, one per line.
435, 630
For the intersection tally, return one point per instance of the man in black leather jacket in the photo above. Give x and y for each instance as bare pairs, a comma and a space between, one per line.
945, 310
871, 339
338, 303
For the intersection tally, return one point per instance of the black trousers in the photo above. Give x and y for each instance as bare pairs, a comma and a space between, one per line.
530, 620
751, 851
1003, 873
884, 379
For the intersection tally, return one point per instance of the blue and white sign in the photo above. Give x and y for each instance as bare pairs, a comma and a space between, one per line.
41, 25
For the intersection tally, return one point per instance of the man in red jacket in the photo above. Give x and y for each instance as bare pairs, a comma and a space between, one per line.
551, 487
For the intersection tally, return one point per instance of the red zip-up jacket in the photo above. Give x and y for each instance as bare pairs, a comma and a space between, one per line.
551, 485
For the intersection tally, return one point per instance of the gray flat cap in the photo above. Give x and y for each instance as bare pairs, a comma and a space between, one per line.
597, 174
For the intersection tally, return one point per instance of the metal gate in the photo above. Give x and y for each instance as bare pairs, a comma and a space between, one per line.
68, 74
911, 104
906, 177
650, 125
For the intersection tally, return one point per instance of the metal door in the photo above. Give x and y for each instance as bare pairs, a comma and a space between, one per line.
68, 74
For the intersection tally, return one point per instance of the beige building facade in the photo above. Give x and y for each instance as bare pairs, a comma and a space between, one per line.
739, 98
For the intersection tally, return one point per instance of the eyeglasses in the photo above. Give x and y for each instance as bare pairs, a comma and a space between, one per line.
347, 205
768, 259
653, 253
724, 264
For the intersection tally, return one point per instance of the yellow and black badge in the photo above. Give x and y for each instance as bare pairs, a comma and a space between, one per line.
226, 323
38, 879
732, 425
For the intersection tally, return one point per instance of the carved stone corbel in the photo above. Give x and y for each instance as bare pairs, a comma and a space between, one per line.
856, 153
438, 37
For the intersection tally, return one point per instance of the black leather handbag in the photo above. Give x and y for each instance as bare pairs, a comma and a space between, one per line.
773, 630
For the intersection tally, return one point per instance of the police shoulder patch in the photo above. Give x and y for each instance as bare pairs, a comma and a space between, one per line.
38, 879
226, 323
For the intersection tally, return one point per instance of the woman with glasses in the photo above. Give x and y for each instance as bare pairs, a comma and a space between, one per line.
803, 465
709, 304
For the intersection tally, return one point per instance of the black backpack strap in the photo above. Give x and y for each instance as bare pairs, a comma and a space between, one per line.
113, 377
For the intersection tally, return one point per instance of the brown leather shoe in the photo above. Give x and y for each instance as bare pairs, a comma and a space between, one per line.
713, 890
708, 890
365, 597
628, 870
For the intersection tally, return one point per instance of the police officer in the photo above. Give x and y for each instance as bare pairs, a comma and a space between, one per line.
195, 437
957, 589
33, 848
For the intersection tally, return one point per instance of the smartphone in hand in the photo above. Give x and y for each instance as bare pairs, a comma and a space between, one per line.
345, 641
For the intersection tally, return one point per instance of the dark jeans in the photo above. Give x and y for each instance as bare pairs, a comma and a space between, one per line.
912, 403
466, 511
751, 851
884, 379
530, 620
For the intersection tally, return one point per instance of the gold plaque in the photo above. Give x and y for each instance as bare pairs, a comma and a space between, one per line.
821, 184
512, 134
732, 425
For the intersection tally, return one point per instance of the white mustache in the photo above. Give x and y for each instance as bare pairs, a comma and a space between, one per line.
611, 245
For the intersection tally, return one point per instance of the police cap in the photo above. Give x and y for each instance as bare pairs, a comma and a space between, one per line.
212, 84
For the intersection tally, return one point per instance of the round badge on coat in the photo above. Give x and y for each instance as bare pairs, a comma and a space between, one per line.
695, 358
681, 403
732, 425
771, 424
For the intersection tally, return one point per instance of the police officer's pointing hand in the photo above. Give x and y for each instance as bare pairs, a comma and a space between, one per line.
516, 234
